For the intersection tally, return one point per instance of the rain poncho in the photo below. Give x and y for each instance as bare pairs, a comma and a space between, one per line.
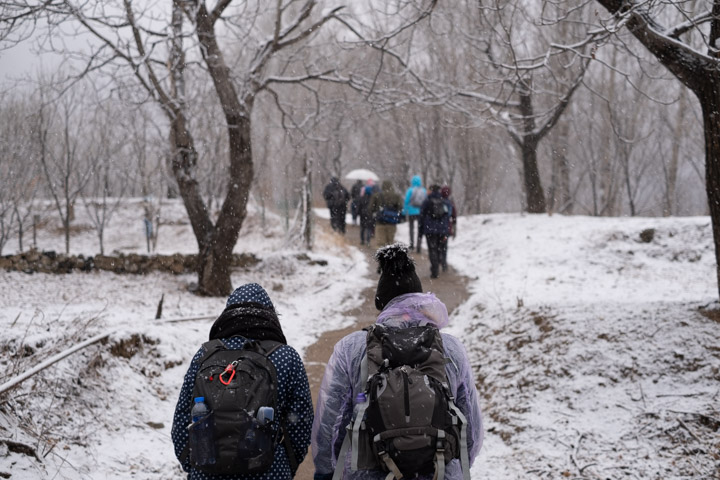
342, 382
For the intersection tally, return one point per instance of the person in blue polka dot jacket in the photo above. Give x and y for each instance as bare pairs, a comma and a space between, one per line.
249, 314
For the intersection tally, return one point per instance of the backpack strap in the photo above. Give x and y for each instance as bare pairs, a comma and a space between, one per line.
211, 348
356, 424
464, 454
392, 466
340, 465
268, 347
440, 456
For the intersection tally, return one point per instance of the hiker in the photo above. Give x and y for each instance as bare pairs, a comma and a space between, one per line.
241, 438
387, 208
354, 199
446, 193
414, 198
435, 225
367, 220
413, 318
336, 197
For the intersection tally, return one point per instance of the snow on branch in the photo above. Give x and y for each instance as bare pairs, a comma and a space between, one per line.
684, 27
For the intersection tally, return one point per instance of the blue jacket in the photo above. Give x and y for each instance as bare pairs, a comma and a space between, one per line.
294, 404
408, 209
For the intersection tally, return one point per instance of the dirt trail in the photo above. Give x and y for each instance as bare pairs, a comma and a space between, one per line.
450, 287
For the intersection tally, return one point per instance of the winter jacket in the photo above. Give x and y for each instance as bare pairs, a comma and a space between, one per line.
335, 195
355, 190
367, 220
294, 404
408, 209
445, 193
435, 226
342, 382
387, 198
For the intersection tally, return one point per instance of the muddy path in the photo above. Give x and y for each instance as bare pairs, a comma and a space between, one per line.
450, 287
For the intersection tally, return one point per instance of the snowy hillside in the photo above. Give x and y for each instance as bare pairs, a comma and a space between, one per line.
593, 357
106, 412
592, 353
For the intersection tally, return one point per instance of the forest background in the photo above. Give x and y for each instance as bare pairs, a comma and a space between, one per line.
517, 105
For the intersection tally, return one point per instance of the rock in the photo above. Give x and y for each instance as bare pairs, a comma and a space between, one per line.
647, 235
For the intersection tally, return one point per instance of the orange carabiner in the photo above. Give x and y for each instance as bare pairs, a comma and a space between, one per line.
229, 368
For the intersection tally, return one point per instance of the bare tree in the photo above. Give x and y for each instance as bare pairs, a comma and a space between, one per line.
61, 161
132, 43
19, 176
678, 48
106, 186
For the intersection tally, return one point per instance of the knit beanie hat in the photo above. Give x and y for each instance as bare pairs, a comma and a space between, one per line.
250, 293
397, 274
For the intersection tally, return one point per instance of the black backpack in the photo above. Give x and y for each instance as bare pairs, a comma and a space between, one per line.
235, 384
409, 424
338, 195
437, 208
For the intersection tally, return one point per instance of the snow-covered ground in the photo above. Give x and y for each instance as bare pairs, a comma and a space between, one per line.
592, 353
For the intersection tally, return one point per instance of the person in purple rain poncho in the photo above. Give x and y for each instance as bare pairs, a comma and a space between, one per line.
401, 301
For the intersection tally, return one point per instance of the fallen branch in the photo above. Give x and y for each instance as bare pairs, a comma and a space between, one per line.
38, 368
188, 319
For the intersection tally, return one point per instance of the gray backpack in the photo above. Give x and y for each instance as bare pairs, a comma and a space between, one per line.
417, 197
405, 422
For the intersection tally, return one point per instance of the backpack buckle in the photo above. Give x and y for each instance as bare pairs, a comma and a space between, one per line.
229, 369
440, 443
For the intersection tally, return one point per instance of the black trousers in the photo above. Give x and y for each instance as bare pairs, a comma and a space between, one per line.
435, 244
337, 218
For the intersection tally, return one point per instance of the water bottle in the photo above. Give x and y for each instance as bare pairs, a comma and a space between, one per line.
264, 436
360, 400
199, 409
265, 415
202, 443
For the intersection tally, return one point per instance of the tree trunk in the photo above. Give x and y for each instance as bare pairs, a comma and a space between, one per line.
671, 176
528, 145
216, 251
531, 175
710, 101
560, 190
307, 200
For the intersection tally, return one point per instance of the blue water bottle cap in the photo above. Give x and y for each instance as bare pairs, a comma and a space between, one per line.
199, 399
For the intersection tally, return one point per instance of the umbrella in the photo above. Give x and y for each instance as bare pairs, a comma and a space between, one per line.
361, 174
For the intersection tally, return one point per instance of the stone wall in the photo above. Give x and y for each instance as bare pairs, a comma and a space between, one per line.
52, 262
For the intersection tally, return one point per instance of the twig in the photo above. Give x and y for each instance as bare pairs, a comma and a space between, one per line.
709, 418
686, 427
661, 395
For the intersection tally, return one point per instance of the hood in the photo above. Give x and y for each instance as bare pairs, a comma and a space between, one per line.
414, 309
416, 181
387, 186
